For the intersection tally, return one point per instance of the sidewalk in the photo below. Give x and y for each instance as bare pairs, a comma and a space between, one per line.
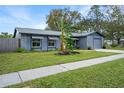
22, 76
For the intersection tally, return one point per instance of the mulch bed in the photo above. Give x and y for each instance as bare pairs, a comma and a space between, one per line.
67, 53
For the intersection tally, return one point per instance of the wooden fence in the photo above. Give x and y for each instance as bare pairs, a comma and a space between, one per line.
9, 44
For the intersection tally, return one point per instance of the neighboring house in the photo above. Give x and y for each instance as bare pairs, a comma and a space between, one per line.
47, 40
122, 42
109, 42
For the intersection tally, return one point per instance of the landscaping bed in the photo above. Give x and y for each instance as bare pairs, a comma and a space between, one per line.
12, 62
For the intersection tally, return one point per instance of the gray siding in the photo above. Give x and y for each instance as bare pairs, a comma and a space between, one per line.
25, 41
44, 43
100, 37
83, 42
58, 43
90, 41
18, 35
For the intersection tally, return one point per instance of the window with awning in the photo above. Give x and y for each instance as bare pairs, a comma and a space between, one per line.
51, 43
36, 43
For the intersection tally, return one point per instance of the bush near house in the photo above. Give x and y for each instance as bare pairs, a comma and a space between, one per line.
20, 50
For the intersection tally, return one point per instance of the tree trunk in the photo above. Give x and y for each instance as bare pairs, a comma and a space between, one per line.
118, 41
112, 41
63, 43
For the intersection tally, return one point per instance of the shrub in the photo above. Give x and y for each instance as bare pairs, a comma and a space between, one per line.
89, 48
114, 45
20, 50
104, 47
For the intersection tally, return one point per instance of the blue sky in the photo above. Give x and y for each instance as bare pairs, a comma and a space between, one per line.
30, 16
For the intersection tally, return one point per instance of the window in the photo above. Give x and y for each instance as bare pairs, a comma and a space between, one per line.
51, 43
36, 43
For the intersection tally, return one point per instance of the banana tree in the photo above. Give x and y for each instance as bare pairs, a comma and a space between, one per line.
63, 40
66, 36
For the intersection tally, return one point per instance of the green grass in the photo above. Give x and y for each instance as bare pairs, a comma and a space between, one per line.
117, 48
105, 75
11, 62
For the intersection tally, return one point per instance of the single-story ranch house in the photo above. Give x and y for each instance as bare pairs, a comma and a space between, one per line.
122, 42
49, 40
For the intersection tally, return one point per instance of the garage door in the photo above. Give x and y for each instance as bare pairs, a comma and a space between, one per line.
97, 43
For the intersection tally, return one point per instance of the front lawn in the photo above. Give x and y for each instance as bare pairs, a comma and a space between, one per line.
103, 75
11, 62
117, 48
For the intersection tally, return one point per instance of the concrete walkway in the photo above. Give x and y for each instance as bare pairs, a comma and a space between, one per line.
22, 76
110, 50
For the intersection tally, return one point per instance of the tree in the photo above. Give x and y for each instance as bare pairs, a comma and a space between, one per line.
69, 17
66, 21
47, 28
5, 35
95, 18
114, 23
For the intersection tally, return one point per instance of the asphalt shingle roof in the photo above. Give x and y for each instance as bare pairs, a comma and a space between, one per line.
47, 32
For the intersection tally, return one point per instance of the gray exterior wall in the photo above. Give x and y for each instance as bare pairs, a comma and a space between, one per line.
90, 41
25, 41
58, 43
18, 35
91, 38
83, 42
44, 42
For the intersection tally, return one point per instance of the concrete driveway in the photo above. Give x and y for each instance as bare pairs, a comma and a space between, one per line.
110, 50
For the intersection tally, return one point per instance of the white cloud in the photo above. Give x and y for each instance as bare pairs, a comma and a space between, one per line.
19, 13
21, 17
40, 26
7, 20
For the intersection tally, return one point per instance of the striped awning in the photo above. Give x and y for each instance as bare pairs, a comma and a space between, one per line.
53, 38
38, 37
75, 38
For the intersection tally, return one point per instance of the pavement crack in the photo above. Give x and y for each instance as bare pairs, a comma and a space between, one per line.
20, 77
